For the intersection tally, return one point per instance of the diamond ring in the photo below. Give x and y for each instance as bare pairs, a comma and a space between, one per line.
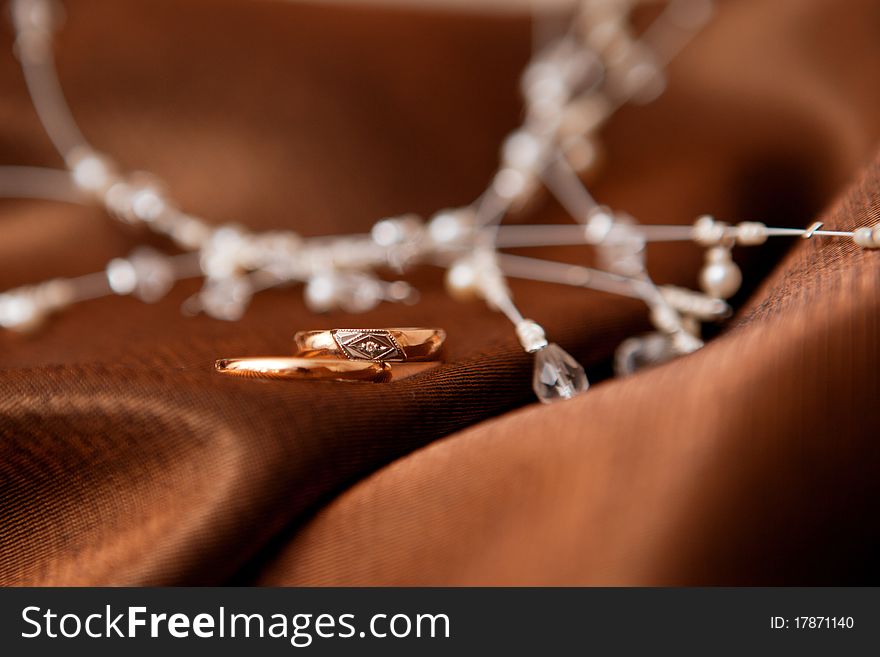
377, 345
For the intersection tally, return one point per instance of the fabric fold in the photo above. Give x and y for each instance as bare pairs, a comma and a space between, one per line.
124, 459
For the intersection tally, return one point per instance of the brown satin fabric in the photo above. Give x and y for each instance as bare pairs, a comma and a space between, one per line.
125, 460
752, 462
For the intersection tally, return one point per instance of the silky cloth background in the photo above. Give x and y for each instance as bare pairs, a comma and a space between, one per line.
125, 460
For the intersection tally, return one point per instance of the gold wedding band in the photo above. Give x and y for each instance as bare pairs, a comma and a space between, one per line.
345, 355
373, 345
320, 369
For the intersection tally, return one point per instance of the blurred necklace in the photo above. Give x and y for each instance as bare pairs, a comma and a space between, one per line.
571, 87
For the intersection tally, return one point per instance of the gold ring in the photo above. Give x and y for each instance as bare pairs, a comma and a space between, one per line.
376, 345
321, 369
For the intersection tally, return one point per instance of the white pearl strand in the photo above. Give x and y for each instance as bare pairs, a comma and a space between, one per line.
571, 88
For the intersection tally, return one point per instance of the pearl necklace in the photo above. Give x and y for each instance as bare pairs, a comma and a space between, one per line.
572, 86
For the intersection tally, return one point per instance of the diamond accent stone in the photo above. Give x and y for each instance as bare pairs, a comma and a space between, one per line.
557, 375
368, 344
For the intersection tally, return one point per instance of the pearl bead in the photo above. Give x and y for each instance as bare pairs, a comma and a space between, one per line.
720, 277
522, 151
147, 203
451, 226
139, 198
19, 311
543, 84
396, 230
121, 276
461, 280
91, 172
864, 237
385, 232
751, 233
146, 273
599, 224
708, 231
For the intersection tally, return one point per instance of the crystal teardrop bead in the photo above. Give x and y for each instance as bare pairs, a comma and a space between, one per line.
557, 375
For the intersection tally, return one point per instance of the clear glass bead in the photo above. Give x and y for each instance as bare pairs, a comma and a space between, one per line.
360, 293
146, 273
226, 298
623, 249
353, 293
397, 230
220, 254
153, 272
452, 226
557, 375
147, 203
